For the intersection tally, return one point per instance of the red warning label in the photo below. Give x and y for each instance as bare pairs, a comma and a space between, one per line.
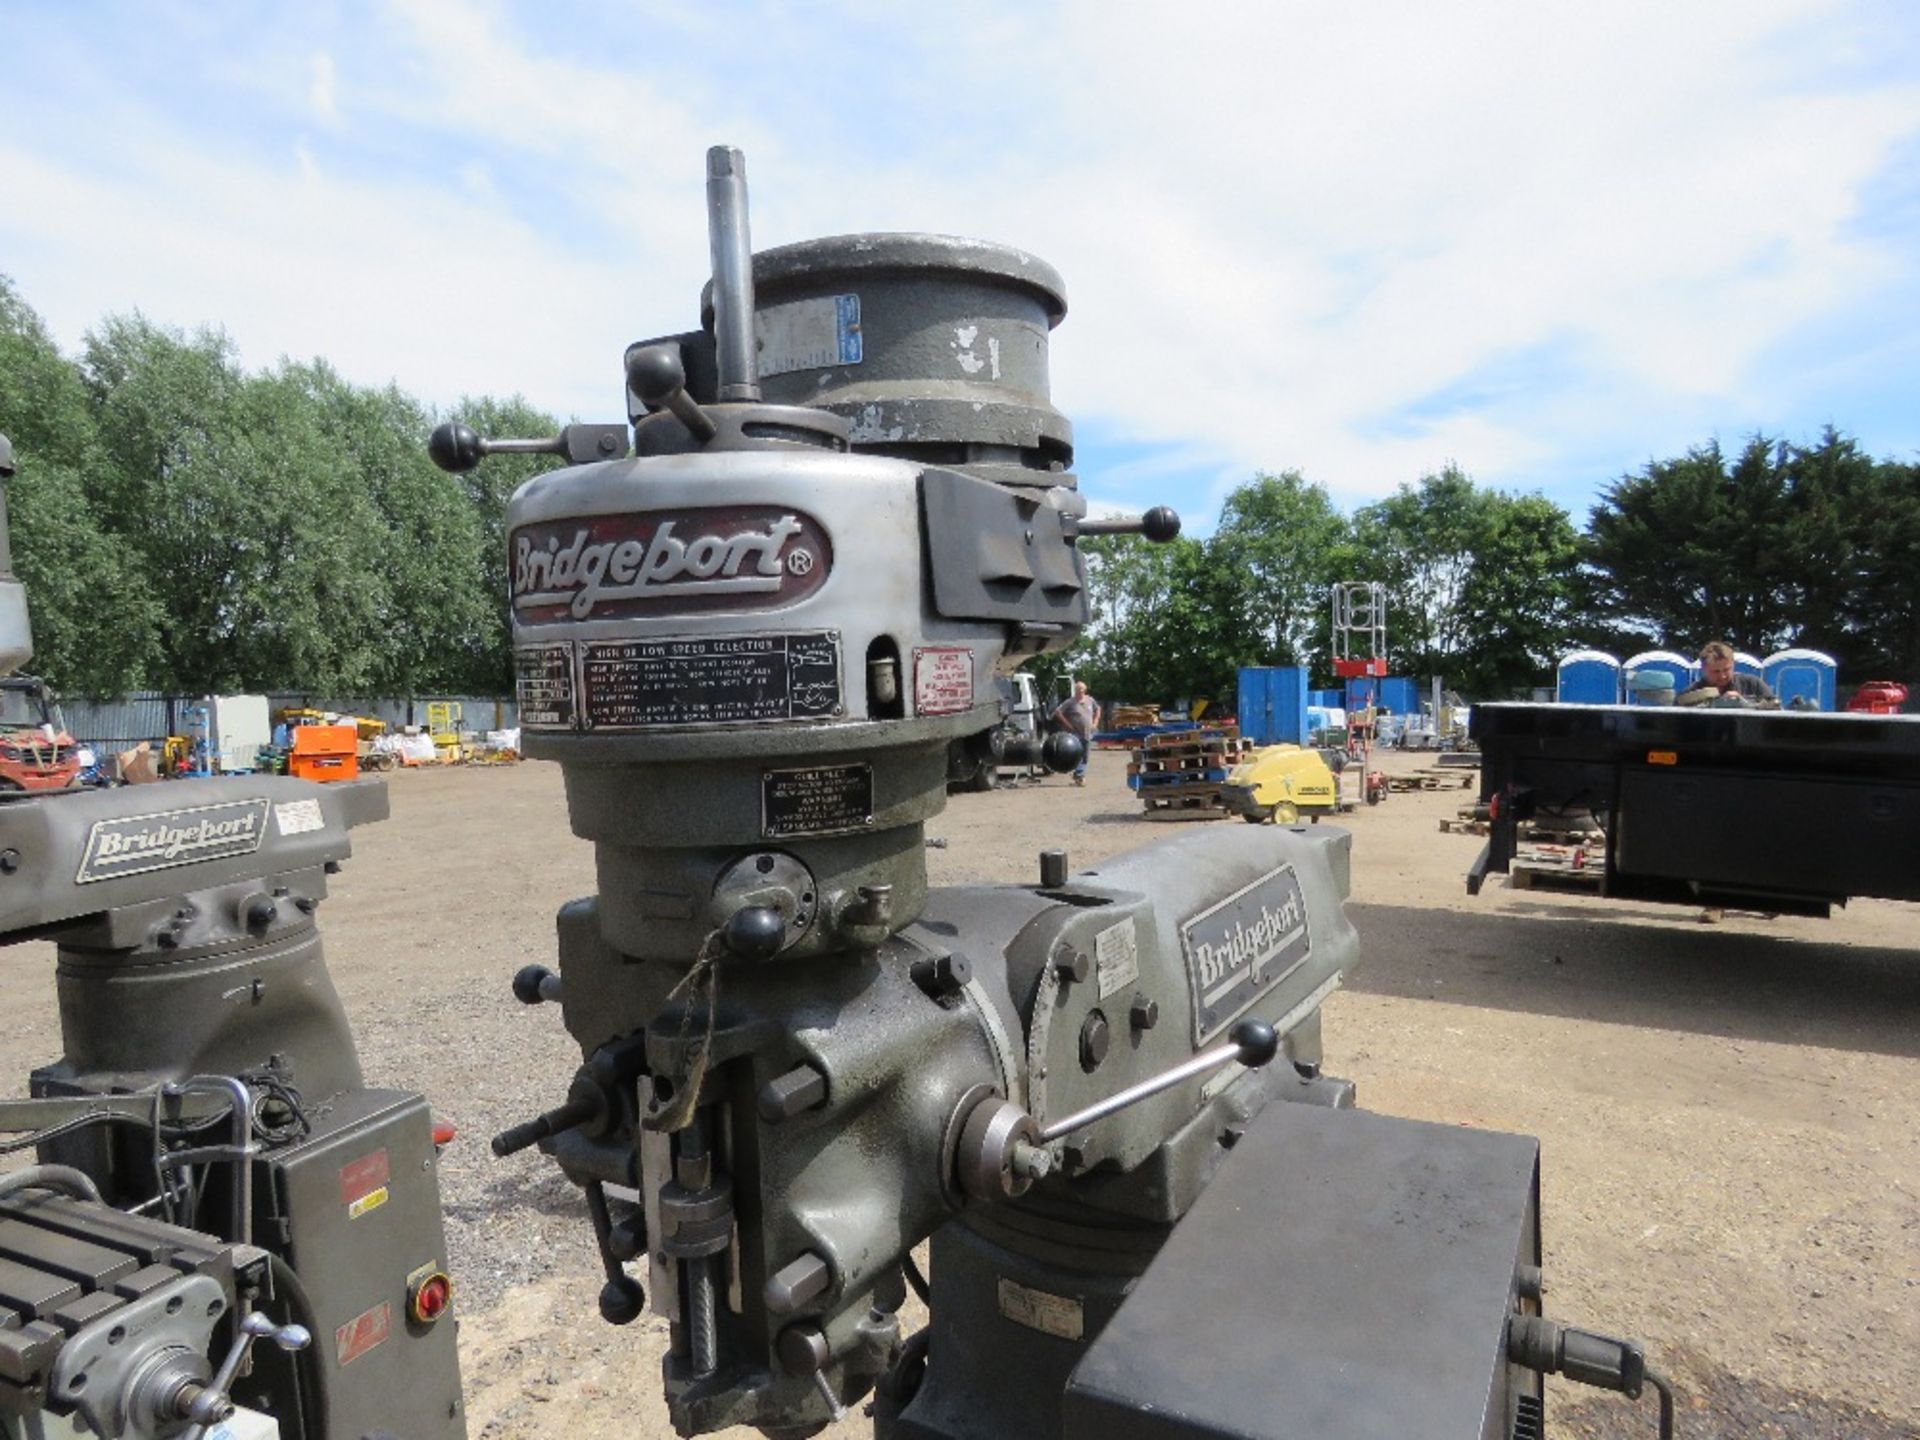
363, 1333
360, 1178
942, 681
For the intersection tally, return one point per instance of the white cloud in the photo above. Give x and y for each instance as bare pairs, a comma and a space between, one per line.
1289, 233
320, 89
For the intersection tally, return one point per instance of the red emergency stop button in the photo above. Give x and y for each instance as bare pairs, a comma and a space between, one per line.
428, 1296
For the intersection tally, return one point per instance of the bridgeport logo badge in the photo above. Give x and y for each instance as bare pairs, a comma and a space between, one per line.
657, 562
1241, 948
134, 844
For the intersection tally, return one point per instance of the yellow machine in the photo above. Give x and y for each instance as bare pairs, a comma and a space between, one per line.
444, 718
1281, 783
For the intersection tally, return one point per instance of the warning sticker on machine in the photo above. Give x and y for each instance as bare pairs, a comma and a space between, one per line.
543, 686
710, 680
1116, 957
808, 334
362, 1333
819, 800
362, 1177
942, 681
1242, 947
1061, 1315
296, 817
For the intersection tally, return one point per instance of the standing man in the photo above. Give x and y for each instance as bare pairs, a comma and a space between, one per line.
1718, 678
1081, 715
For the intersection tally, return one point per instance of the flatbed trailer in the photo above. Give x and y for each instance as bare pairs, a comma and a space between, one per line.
1778, 810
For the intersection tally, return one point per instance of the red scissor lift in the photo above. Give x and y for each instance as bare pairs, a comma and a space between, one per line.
1360, 651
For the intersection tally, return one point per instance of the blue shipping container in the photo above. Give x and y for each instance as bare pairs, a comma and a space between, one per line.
1396, 694
1273, 704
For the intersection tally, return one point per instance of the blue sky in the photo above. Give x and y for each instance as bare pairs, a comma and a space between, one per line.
1544, 242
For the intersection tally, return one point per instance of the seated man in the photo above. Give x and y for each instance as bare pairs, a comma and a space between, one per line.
1719, 680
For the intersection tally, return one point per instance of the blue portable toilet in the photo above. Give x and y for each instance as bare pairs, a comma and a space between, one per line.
1273, 704
1588, 677
1808, 675
1648, 663
1743, 664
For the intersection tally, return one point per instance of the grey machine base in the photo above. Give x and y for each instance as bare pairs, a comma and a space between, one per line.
1346, 1276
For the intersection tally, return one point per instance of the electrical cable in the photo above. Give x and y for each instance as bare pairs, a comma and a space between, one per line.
1665, 1392
309, 1362
67, 1127
916, 1278
63, 1178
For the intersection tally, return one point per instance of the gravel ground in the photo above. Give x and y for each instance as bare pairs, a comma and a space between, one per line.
1731, 1166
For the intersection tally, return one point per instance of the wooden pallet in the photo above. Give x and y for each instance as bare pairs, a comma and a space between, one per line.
1463, 826
1160, 780
1180, 764
1400, 784
1204, 736
1592, 880
1196, 804
1538, 834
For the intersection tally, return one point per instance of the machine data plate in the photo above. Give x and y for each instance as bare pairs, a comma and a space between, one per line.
817, 800
812, 334
709, 680
543, 686
1242, 947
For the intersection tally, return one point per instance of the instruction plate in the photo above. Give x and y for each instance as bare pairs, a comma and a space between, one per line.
817, 800
808, 334
710, 680
543, 686
1241, 948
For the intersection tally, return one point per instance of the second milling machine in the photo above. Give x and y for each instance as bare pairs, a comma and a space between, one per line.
750, 643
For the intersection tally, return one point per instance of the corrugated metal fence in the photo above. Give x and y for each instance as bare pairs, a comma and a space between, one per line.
112, 725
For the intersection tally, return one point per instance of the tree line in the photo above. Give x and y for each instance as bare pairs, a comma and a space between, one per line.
1771, 545
182, 524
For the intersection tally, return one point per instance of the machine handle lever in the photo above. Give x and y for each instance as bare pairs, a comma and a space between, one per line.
530, 1132
213, 1403
656, 374
1251, 1042
457, 448
1160, 524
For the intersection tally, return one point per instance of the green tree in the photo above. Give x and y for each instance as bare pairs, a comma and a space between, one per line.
1282, 537
488, 666
1165, 621
1694, 549
95, 623
1521, 602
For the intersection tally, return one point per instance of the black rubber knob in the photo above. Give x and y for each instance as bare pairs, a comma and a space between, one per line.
1160, 524
526, 983
455, 448
1096, 1037
622, 1301
655, 373
755, 933
1062, 751
1259, 1042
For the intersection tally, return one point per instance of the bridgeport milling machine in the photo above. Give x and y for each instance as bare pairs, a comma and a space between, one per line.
749, 645
214, 1170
